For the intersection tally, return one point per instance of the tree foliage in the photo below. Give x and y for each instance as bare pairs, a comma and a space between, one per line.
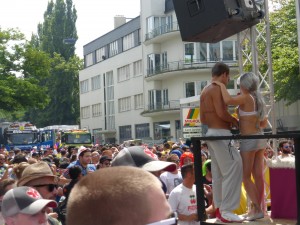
283, 25
21, 68
62, 85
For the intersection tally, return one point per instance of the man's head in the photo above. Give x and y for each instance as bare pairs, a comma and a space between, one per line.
285, 147
105, 161
220, 72
24, 205
133, 195
84, 156
95, 157
174, 158
2, 159
187, 172
40, 176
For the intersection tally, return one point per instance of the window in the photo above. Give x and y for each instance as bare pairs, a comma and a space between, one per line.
100, 54
153, 61
203, 52
125, 133
164, 58
214, 52
89, 59
189, 89
97, 136
162, 130
155, 99
128, 41
96, 110
124, 104
109, 98
85, 112
113, 48
139, 101
165, 97
123, 73
96, 83
142, 130
137, 68
227, 47
152, 23
194, 88
84, 86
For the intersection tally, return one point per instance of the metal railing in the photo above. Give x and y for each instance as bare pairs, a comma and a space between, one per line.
187, 65
160, 106
164, 29
196, 141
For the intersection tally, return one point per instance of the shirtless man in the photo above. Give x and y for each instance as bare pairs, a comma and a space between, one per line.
226, 161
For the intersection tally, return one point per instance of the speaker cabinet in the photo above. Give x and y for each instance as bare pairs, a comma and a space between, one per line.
211, 21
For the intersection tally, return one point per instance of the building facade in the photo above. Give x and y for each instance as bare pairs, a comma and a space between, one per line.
137, 77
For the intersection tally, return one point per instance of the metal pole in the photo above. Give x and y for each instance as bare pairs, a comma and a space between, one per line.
298, 24
271, 80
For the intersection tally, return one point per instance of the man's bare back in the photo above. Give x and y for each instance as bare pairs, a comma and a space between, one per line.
213, 111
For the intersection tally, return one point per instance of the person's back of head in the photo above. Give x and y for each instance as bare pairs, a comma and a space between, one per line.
74, 172
219, 68
186, 169
116, 195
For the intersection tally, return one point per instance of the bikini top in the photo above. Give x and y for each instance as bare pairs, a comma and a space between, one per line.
253, 113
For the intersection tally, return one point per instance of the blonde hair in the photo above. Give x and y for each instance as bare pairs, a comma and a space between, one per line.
250, 82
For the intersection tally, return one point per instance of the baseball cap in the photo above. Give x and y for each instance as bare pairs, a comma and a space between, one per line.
24, 200
104, 158
137, 156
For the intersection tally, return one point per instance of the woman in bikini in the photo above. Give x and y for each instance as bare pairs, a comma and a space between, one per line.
252, 119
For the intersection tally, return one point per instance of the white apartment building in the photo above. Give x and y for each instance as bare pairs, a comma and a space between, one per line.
137, 77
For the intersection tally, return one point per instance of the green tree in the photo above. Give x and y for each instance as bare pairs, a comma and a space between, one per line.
283, 27
21, 68
59, 24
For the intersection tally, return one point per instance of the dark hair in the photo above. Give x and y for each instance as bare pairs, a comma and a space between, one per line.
186, 169
282, 143
219, 68
74, 172
19, 158
3, 185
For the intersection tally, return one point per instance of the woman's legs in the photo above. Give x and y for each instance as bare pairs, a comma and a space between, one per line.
258, 175
248, 158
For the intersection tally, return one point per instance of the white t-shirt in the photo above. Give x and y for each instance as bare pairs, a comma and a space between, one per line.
171, 180
184, 201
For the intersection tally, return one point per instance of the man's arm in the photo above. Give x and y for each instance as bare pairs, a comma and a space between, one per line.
221, 108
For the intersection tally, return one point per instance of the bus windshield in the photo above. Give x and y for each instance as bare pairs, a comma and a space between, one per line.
22, 138
78, 138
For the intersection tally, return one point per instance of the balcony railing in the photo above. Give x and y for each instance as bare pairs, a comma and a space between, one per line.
159, 106
167, 28
186, 65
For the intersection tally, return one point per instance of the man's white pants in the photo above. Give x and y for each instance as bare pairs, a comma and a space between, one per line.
227, 171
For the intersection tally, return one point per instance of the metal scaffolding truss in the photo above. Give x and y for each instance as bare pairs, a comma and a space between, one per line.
254, 52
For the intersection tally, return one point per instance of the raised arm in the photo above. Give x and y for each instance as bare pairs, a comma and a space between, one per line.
237, 100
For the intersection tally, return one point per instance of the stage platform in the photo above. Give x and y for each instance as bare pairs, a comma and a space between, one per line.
266, 220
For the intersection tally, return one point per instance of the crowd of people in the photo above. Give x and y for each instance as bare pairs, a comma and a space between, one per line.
147, 184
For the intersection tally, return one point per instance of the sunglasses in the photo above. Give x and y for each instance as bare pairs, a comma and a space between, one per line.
175, 161
172, 220
51, 187
287, 146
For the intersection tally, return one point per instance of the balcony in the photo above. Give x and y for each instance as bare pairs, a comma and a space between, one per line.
184, 65
164, 29
172, 106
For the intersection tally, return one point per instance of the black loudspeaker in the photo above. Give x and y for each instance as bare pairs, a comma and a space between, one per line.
211, 21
